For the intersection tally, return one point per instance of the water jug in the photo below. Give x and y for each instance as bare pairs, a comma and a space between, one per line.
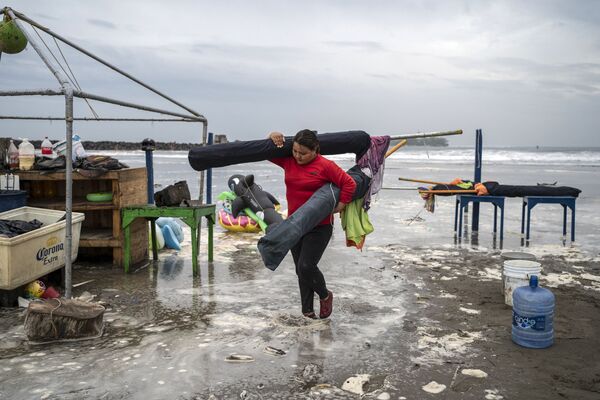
46, 146
533, 316
13, 156
26, 155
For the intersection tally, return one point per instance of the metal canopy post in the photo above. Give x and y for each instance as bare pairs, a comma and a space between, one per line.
69, 93
69, 192
477, 177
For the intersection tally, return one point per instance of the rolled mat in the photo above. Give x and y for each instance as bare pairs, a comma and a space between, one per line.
280, 238
220, 155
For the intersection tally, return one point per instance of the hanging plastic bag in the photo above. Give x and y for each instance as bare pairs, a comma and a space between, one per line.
60, 148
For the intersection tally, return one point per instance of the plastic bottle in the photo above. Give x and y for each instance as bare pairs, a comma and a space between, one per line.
26, 155
13, 156
46, 146
533, 316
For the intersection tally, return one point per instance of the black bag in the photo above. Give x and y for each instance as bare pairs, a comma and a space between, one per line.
172, 195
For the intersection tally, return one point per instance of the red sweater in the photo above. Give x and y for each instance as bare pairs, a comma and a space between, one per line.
301, 181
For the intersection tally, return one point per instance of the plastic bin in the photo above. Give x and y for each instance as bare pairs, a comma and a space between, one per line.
11, 199
34, 254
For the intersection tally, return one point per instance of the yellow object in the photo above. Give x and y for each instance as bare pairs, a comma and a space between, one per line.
35, 289
242, 223
26, 162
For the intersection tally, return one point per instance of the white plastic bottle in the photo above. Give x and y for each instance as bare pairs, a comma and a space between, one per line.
26, 155
13, 156
46, 146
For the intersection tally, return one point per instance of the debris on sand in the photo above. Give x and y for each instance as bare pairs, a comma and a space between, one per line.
273, 351
240, 358
311, 373
326, 390
434, 387
356, 384
476, 373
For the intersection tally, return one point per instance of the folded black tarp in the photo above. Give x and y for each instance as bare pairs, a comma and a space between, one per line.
220, 155
496, 189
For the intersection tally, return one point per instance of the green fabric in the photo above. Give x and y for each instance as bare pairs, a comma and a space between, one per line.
356, 223
465, 185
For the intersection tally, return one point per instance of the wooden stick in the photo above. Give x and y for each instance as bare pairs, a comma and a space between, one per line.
422, 181
396, 147
448, 191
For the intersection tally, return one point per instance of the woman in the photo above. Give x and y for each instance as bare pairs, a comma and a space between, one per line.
305, 172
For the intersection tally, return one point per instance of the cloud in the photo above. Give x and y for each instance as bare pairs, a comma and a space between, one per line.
102, 23
357, 45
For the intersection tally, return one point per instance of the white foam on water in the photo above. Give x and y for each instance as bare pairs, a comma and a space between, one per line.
476, 373
490, 274
492, 394
434, 387
437, 349
469, 310
446, 295
355, 384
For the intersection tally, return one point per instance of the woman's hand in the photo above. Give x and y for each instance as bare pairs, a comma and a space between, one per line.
277, 138
340, 206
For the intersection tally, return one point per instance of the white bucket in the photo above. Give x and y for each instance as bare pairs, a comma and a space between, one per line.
515, 274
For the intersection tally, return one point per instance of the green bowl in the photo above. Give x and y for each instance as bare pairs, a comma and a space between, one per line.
102, 197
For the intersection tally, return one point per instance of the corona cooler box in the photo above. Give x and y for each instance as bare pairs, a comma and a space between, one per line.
29, 256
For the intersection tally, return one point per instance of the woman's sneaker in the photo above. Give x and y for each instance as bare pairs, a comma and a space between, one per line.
326, 305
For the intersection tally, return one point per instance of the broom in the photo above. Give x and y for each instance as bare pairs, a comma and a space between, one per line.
59, 319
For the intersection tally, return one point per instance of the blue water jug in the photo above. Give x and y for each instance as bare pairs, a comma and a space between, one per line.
533, 316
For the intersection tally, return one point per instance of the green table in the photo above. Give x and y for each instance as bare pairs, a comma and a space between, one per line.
190, 215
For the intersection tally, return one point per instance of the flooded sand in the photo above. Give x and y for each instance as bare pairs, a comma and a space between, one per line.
398, 318
415, 307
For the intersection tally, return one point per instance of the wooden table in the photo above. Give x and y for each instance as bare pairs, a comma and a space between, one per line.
190, 215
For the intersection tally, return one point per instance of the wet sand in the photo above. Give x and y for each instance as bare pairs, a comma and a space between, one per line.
416, 312
404, 316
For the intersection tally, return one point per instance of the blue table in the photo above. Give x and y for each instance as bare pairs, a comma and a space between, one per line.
565, 201
463, 201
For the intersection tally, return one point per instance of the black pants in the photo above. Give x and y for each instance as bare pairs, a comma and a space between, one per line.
307, 254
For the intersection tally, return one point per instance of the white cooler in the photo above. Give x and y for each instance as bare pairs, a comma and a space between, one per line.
34, 254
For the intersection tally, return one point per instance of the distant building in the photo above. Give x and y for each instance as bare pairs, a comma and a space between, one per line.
220, 139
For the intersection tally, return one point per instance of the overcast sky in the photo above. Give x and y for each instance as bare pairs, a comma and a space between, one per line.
526, 72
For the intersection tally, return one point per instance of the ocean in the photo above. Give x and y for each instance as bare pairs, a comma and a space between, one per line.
398, 215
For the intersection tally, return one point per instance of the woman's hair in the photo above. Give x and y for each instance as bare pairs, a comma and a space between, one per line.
307, 138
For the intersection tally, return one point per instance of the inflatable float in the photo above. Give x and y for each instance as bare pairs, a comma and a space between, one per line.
247, 207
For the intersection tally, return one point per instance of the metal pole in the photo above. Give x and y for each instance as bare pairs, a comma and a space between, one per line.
49, 32
477, 177
89, 119
34, 92
66, 87
69, 192
91, 96
204, 134
32, 40
148, 145
426, 135
209, 175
